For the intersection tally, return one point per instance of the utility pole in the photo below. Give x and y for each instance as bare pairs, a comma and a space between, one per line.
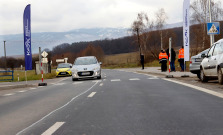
5, 56
211, 36
137, 29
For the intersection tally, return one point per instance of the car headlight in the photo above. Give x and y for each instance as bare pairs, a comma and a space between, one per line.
57, 70
97, 68
74, 70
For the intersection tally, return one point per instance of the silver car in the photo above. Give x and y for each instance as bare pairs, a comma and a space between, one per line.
196, 61
212, 65
86, 67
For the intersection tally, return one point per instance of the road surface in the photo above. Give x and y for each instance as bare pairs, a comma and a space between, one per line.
121, 103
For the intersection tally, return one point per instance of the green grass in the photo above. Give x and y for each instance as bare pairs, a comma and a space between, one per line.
31, 75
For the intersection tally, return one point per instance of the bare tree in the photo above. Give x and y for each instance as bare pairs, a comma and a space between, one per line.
200, 14
140, 27
161, 18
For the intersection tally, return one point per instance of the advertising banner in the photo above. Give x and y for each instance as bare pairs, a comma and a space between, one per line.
186, 29
27, 38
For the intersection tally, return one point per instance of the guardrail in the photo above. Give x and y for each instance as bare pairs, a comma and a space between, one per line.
12, 72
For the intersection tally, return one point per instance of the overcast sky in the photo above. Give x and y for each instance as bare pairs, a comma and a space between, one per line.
65, 15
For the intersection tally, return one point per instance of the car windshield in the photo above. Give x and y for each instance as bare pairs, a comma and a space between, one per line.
205, 51
63, 65
85, 61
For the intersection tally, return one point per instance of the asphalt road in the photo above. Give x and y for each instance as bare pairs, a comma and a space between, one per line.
121, 103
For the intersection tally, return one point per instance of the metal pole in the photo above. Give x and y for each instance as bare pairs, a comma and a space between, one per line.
40, 59
5, 56
161, 39
210, 16
138, 41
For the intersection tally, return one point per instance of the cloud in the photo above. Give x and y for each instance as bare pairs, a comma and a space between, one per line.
65, 15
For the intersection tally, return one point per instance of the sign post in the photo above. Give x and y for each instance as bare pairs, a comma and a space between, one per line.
170, 42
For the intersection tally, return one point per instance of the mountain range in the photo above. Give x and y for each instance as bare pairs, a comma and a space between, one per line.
15, 45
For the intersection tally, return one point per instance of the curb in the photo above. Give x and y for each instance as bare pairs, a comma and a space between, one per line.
8, 87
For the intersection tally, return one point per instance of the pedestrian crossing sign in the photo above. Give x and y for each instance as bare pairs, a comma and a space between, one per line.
213, 28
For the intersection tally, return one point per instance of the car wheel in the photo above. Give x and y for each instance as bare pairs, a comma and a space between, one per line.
220, 76
203, 77
99, 77
199, 75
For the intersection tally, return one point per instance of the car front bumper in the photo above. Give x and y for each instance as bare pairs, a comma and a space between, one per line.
86, 74
64, 73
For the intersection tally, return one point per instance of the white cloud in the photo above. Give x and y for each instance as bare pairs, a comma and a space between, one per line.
64, 15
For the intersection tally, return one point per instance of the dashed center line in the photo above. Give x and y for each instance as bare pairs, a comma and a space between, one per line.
53, 128
22, 91
134, 79
153, 78
115, 80
10, 94
92, 94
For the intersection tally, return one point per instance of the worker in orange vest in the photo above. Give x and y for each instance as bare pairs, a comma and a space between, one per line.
163, 60
181, 58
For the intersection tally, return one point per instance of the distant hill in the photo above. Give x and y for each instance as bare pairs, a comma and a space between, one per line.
14, 43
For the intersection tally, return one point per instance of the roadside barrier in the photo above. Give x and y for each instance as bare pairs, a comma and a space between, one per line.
5, 74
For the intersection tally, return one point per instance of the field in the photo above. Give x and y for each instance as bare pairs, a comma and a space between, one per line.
30, 75
131, 60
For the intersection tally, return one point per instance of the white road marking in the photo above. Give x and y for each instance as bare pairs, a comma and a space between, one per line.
92, 94
153, 78
59, 84
197, 88
134, 79
101, 84
22, 91
10, 94
32, 88
115, 80
104, 80
105, 76
53, 128
96, 81
77, 82
20, 132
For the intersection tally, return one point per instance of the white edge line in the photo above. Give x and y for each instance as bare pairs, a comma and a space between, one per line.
56, 110
92, 94
53, 128
197, 88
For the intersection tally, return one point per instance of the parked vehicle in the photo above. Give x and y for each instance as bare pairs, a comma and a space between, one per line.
64, 69
86, 67
212, 64
195, 62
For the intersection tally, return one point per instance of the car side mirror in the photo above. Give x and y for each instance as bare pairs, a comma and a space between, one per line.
203, 55
70, 66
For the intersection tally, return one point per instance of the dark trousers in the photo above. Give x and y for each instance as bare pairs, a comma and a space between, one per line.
181, 64
163, 65
172, 65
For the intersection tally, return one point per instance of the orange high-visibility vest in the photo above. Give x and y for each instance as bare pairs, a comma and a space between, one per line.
163, 56
181, 54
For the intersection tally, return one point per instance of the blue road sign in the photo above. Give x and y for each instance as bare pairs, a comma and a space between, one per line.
213, 28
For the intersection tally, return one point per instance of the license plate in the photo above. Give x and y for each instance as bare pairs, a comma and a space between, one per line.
198, 60
85, 73
63, 73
